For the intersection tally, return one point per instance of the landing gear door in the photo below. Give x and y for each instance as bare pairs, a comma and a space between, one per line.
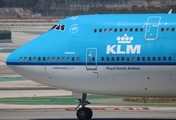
152, 27
91, 59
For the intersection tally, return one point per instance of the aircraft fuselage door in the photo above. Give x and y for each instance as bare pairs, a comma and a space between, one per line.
152, 27
91, 59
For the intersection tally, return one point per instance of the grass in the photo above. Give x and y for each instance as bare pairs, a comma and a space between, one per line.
40, 100
68, 100
4, 31
6, 50
6, 79
53, 100
32, 32
151, 100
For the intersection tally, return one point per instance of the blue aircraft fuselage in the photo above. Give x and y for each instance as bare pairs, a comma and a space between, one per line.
132, 55
111, 39
120, 55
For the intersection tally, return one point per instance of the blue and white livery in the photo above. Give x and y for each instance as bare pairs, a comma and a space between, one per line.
111, 54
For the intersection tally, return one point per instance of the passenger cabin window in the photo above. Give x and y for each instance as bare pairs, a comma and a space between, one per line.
167, 29
102, 58
120, 29
115, 30
148, 58
34, 59
95, 30
136, 29
43, 58
21, 58
48, 59
131, 29
141, 29
62, 58
58, 58
117, 59
173, 29
73, 59
29, 58
38, 58
138, 58
133, 58
123, 58
93, 58
77, 59
164, 58
159, 58
68, 59
143, 58
169, 58
53, 58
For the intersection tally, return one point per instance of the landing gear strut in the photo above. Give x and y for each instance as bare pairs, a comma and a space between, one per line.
83, 113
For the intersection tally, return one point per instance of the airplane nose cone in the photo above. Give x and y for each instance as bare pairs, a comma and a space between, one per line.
10, 61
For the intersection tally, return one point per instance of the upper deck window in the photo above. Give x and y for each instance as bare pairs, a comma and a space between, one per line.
95, 30
115, 30
173, 29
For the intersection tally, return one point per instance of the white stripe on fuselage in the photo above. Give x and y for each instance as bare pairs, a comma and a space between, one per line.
157, 81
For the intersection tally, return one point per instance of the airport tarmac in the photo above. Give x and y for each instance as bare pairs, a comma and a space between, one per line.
23, 88
62, 114
23, 34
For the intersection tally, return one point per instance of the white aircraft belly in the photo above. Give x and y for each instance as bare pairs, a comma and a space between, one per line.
147, 81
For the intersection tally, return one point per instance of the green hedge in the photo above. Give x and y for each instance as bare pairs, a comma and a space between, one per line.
5, 34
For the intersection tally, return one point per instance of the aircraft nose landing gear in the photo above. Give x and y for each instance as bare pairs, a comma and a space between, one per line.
84, 113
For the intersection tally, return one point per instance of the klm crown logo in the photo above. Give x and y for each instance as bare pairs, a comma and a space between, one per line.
124, 39
123, 48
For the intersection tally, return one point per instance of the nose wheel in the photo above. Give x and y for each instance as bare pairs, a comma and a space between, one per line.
84, 113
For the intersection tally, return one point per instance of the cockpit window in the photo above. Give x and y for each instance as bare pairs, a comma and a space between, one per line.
53, 26
60, 27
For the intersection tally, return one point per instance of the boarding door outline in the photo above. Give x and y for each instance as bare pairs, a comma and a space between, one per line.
152, 27
91, 59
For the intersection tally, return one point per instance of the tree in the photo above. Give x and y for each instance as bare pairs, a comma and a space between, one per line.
1, 3
149, 1
18, 3
42, 6
8, 3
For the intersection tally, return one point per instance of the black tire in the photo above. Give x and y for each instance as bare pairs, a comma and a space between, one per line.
89, 112
84, 114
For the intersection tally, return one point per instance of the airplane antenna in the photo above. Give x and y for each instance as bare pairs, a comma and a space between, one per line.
170, 12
